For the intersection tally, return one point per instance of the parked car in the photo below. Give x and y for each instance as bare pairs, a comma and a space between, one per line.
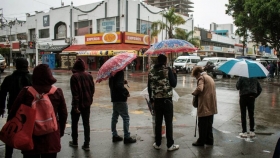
217, 72
185, 63
3, 63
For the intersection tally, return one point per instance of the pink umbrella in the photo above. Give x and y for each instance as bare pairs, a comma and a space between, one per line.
114, 65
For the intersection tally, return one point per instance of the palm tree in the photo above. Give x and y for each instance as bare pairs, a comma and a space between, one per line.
187, 36
172, 20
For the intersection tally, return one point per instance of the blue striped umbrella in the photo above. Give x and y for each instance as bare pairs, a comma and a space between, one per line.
244, 67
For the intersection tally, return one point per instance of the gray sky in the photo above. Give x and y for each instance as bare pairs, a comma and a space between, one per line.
205, 11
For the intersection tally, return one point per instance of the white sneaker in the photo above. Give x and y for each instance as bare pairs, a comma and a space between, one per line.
173, 147
155, 146
251, 134
243, 135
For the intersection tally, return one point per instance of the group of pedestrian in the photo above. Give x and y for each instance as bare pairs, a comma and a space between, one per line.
161, 81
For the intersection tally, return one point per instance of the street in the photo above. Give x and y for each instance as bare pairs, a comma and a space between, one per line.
226, 127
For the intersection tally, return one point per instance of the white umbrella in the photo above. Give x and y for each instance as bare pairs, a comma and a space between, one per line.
244, 67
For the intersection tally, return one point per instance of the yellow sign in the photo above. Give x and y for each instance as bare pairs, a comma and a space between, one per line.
101, 38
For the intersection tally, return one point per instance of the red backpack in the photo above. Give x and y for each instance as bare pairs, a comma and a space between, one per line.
45, 120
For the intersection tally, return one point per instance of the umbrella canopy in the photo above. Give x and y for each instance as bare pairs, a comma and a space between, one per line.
244, 67
171, 46
114, 65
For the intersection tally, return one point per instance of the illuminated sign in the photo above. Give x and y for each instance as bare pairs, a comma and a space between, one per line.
135, 38
101, 38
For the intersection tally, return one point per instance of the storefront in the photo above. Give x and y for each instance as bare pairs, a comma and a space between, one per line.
50, 55
100, 47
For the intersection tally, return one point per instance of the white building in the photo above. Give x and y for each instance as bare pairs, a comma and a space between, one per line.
73, 25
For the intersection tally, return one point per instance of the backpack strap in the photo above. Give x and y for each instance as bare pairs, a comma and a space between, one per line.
32, 91
52, 90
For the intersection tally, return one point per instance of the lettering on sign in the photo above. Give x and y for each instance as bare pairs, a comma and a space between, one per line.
134, 38
93, 39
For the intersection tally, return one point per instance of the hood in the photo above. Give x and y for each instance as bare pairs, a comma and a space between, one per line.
79, 66
21, 64
42, 75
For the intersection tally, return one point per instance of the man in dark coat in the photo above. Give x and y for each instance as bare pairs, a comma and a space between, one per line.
47, 145
119, 96
11, 86
82, 88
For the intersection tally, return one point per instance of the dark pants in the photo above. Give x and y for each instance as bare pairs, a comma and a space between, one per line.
247, 102
277, 150
75, 119
51, 155
205, 130
164, 108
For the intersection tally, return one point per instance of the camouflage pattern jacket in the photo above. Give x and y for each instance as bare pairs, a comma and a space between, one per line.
160, 82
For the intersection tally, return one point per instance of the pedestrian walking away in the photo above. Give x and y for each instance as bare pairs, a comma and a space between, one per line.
161, 81
207, 106
11, 86
46, 145
249, 90
82, 89
119, 95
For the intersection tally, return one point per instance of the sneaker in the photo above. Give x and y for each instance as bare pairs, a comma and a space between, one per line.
243, 135
71, 143
117, 138
251, 134
129, 140
155, 146
173, 147
85, 147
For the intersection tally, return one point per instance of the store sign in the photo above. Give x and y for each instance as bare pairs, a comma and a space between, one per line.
101, 38
135, 38
217, 49
96, 53
46, 20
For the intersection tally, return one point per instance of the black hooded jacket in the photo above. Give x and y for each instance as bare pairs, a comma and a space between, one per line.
118, 92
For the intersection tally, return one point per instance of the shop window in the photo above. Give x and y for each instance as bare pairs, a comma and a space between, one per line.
44, 33
108, 25
143, 26
83, 27
32, 35
60, 30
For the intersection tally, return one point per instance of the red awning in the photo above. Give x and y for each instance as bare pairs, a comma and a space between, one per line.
76, 48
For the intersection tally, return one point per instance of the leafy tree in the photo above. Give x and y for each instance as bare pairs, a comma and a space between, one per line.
172, 20
260, 17
182, 34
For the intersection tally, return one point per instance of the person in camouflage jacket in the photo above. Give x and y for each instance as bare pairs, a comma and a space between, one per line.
249, 89
161, 81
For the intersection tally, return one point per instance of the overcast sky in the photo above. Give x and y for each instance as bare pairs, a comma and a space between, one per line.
205, 11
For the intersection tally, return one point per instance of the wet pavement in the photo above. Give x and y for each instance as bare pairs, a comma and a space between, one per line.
226, 127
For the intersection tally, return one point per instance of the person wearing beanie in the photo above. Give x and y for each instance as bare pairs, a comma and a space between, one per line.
11, 86
47, 145
82, 89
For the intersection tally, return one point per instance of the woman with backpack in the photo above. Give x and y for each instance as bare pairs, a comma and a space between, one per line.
46, 145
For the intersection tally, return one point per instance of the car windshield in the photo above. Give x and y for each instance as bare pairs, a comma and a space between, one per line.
195, 60
201, 63
220, 64
180, 60
213, 60
2, 58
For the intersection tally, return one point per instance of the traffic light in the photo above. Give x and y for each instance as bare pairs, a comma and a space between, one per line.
31, 45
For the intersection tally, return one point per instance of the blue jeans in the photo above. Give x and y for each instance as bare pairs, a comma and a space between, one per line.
120, 108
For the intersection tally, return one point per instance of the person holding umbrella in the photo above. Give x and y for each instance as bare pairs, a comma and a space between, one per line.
161, 81
249, 90
119, 96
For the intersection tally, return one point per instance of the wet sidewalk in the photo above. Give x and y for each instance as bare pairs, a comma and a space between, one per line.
226, 145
